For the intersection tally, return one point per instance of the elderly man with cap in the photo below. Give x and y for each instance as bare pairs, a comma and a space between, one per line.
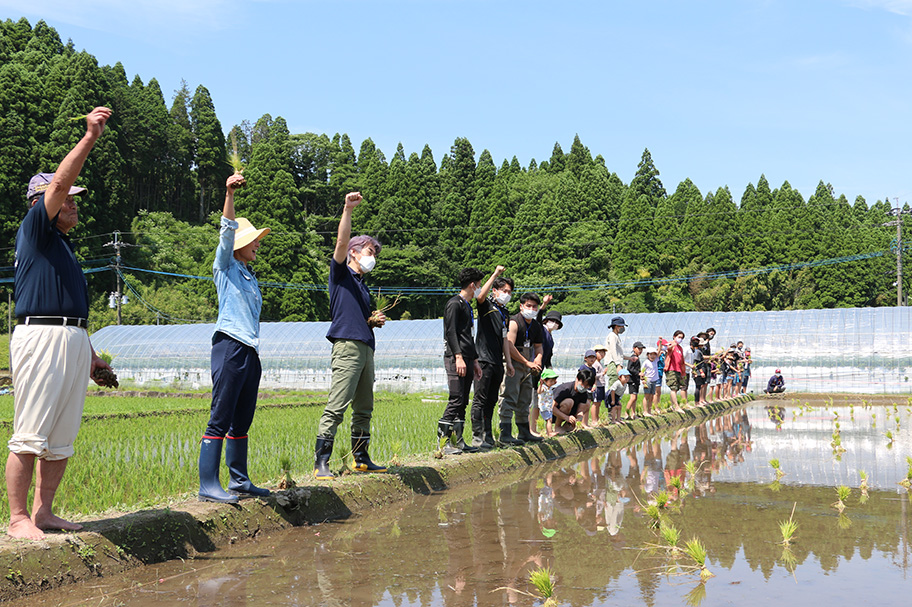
352, 335
235, 359
52, 357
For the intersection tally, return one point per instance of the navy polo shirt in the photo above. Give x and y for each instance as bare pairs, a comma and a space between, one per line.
349, 305
49, 281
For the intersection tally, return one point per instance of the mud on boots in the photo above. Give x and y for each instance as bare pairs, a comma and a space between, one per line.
236, 459
363, 463
322, 454
210, 457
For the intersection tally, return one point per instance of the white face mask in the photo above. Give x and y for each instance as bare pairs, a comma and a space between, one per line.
529, 314
678, 340
503, 299
552, 326
367, 263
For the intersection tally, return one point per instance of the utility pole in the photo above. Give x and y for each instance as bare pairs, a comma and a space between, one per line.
898, 212
117, 243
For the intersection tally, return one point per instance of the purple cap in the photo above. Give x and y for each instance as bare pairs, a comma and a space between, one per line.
40, 182
589, 353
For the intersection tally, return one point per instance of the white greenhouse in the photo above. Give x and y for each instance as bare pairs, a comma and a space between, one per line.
862, 350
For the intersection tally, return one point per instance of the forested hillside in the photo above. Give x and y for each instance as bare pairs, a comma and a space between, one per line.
567, 224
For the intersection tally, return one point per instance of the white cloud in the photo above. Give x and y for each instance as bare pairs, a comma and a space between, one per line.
899, 7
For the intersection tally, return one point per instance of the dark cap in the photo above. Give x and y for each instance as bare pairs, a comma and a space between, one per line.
638, 344
617, 321
589, 353
555, 316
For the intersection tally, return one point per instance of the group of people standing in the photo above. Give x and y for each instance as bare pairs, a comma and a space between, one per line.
51, 354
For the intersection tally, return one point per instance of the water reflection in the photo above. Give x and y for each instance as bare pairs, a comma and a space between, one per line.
589, 520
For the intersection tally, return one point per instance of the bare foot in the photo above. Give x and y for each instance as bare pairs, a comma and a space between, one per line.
52, 521
24, 529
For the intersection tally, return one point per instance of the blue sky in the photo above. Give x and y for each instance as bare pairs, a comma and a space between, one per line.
719, 91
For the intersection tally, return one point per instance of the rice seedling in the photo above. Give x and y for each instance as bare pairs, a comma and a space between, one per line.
889, 436
788, 528
661, 499
670, 534
234, 158
842, 494
285, 480
697, 553
774, 463
543, 580
675, 482
863, 487
655, 514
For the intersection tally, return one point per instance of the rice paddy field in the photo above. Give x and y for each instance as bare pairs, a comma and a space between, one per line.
135, 452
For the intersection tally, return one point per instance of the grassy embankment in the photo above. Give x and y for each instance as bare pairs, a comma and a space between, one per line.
136, 452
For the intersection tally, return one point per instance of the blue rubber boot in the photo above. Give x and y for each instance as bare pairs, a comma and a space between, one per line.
363, 461
210, 458
236, 459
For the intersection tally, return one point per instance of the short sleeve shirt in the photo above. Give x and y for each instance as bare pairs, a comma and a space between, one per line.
49, 281
493, 323
567, 390
349, 305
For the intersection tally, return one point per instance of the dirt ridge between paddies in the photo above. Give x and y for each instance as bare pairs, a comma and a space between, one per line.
116, 544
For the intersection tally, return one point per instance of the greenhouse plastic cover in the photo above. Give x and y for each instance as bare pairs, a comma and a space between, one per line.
862, 350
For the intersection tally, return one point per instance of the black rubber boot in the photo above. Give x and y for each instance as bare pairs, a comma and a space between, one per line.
478, 436
445, 438
458, 431
236, 459
323, 453
363, 461
489, 432
506, 435
524, 434
210, 458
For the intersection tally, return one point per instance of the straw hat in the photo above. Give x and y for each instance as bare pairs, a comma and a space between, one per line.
246, 233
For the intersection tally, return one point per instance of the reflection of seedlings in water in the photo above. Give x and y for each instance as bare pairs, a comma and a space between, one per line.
774, 463
864, 483
788, 528
697, 595
789, 561
889, 436
842, 493
844, 522
395, 531
907, 482
775, 485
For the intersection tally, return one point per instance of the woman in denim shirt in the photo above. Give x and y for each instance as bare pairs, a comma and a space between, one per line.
235, 357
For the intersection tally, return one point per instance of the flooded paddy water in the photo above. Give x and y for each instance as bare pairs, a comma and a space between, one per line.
589, 519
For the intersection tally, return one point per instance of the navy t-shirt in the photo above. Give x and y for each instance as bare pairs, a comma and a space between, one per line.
349, 305
49, 281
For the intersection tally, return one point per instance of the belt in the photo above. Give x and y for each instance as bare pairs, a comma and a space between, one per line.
60, 321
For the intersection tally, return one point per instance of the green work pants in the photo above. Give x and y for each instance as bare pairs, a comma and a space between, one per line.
352, 384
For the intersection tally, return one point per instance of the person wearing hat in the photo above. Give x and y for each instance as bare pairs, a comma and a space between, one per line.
615, 392
551, 322
236, 366
651, 380
634, 365
352, 335
776, 384
615, 346
51, 354
546, 398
